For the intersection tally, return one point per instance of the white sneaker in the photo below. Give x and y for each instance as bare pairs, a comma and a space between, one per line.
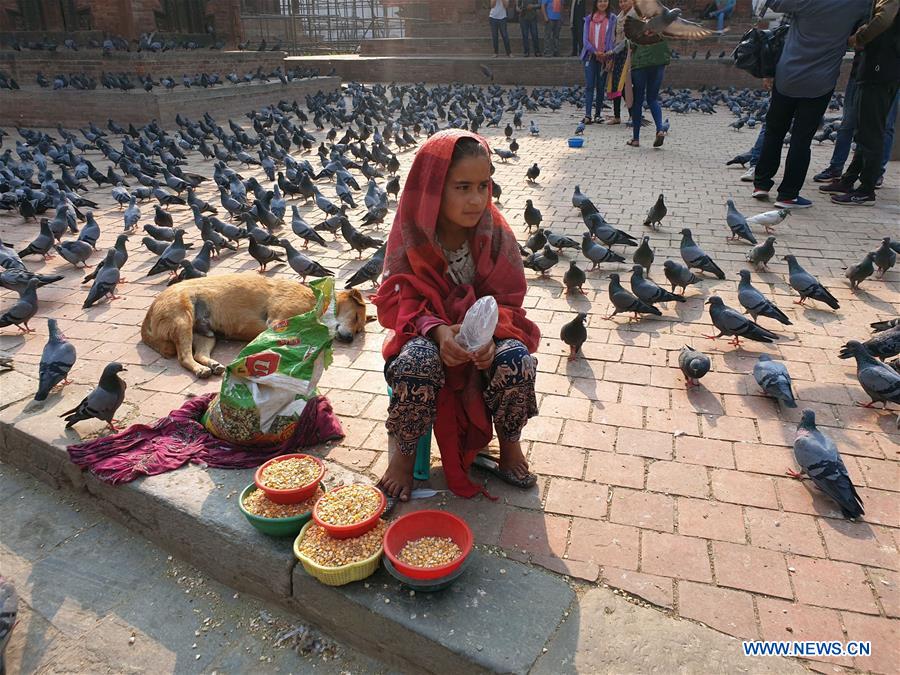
748, 175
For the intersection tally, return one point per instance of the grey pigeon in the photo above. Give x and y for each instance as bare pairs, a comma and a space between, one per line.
9, 609
9, 259
880, 382
879, 326
370, 271
103, 401
23, 309
541, 261
883, 345
534, 170
75, 251
738, 223
574, 278
819, 459
679, 275
358, 241
42, 243
656, 213
649, 291
171, 257
694, 256
597, 254
532, 216
643, 254
756, 303
303, 265
57, 360
769, 219
559, 242
17, 279
761, 254
187, 271
885, 257
105, 282
606, 233
536, 241
578, 197
624, 301
807, 285
201, 260
862, 270
303, 230
160, 233
773, 378
731, 322
263, 254
132, 214
693, 364
574, 334
90, 233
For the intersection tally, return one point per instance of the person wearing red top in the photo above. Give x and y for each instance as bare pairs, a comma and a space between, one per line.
449, 246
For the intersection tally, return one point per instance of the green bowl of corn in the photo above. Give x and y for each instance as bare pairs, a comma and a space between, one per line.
274, 525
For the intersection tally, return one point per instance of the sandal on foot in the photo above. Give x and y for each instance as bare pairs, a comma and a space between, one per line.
633, 143
487, 463
614, 120
587, 120
660, 139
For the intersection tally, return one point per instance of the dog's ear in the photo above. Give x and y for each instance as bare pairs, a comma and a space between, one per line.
356, 297
370, 318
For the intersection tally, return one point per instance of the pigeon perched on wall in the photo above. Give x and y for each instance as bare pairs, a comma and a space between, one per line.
880, 382
103, 402
57, 360
574, 334
773, 378
819, 459
807, 285
693, 365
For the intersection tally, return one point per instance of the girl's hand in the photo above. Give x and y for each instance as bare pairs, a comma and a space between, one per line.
452, 353
484, 357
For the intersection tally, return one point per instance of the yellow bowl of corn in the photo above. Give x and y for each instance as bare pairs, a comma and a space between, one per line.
320, 547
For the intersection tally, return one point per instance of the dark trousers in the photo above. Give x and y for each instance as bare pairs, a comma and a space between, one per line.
499, 26
578, 30
801, 116
594, 86
873, 103
645, 83
529, 30
617, 107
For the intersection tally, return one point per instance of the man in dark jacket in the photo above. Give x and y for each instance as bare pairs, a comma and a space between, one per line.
877, 79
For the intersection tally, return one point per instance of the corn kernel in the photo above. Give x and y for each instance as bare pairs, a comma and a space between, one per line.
325, 550
349, 505
289, 474
429, 552
260, 505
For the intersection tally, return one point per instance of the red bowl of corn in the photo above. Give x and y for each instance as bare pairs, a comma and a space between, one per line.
289, 479
437, 540
349, 510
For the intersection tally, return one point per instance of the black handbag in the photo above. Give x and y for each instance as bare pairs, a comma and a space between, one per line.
759, 50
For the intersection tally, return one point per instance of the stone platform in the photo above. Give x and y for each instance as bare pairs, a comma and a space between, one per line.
34, 106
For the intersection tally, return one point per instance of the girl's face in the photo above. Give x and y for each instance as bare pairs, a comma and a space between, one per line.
601, 6
467, 190
625, 5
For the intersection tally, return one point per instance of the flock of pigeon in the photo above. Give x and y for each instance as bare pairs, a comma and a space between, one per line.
369, 127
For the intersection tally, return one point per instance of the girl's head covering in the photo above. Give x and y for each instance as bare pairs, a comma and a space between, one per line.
415, 273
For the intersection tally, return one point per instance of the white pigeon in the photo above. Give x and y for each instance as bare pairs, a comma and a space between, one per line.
769, 219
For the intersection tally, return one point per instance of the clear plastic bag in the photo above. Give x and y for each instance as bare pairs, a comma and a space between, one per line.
478, 326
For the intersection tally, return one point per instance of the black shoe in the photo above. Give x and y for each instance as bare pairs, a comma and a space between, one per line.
855, 198
879, 182
827, 176
837, 187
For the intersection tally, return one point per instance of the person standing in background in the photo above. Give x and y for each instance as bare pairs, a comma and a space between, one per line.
721, 12
552, 11
498, 20
528, 18
648, 65
618, 79
576, 20
598, 31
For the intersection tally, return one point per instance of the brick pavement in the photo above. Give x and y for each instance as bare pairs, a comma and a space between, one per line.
675, 496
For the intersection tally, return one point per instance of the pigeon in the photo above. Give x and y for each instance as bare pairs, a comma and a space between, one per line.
533, 172
132, 214
807, 285
818, 458
105, 281
357, 240
303, 265
75, 251
201, 260
187, 271
574, 278
534, 129
741, 159
693, 364
650, 21
23, 309
738, 224
160, 233
880, 326
536, 241
883, 345
597, 254
773, 378
623, 301
656, 213
643, 254
579, 129
41, 244
121, 258
648, 291
731, 322
103, 402
769, 219
578, 197
171, 258
90, 233
302, 229
370, 271
559, 242
505, 155
574, 334
862, 270
57, 360
263, 255
761, 254
163, 218
679, 275
606, 233
885, 257
694, 256
755, 303
541, 261
880, 382
533, 217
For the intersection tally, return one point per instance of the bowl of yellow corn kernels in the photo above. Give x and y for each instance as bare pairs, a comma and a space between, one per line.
289, 479
349, 510
272, 518
336, 562
428, 545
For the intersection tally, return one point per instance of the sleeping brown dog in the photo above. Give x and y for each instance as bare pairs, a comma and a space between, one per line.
184, 319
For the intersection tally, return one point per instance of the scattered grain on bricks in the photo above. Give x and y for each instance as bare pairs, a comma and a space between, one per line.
325, 550
289, 474
429, 552
259, 505
348, 505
